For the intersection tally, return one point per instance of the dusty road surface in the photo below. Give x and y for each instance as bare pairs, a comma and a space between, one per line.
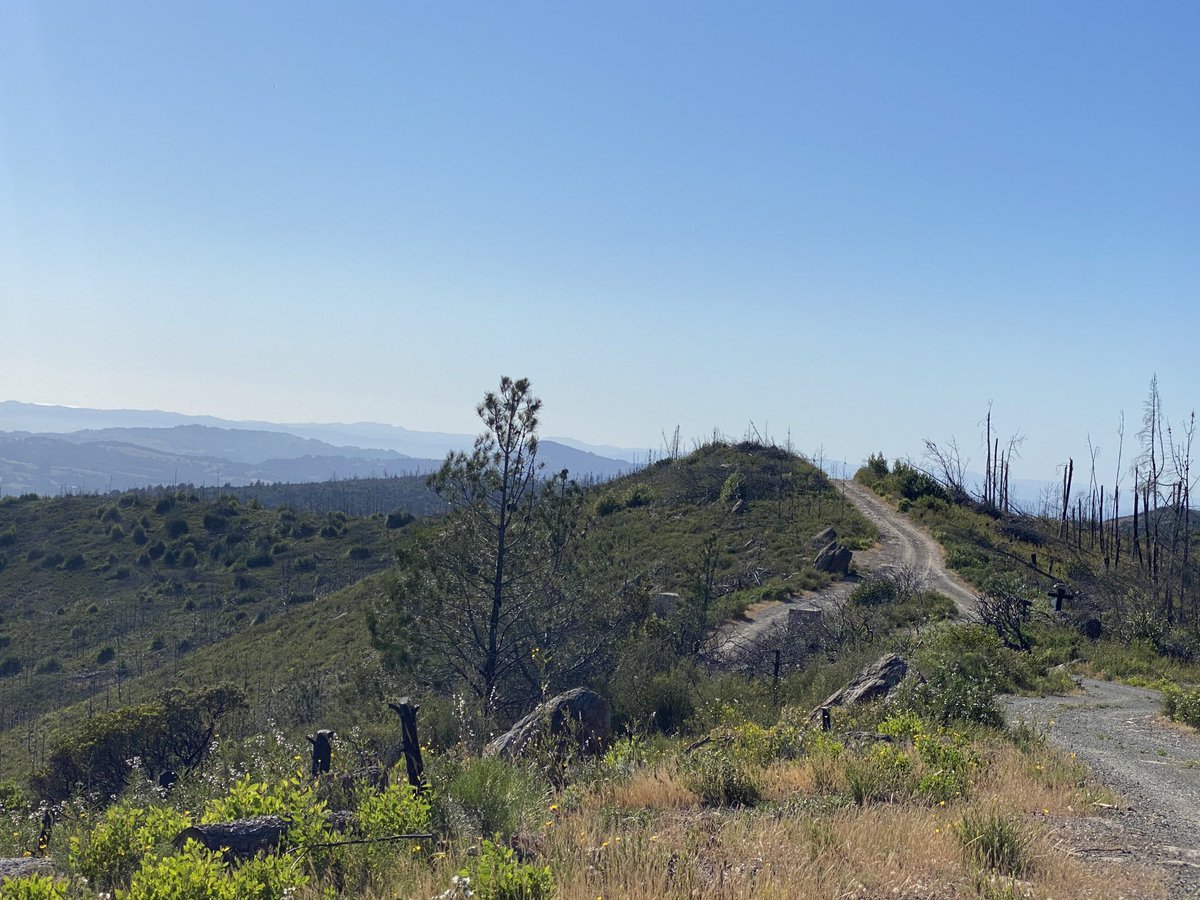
1153, 767
901, 543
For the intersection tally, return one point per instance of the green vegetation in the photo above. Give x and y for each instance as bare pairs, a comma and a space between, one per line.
1131, 609
86, 618
173, 731
547, 585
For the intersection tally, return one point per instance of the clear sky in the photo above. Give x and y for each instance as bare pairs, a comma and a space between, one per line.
857, 221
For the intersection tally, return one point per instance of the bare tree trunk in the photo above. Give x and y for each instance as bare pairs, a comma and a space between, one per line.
1137, 543
1068, 474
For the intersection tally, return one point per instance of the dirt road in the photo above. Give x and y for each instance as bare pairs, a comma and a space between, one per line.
1152, 765
901, 544
904, 543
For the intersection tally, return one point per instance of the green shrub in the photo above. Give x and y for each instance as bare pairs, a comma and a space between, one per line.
1182, 705
115, 848
913, 484
995, 842
883, 773
719, 778
496, 874
494, 796
873, 592
397, 809
293, 797
8, 536
34, 887
175, 730
12, 797
196, 874
948, 765
606, 504
260, 560
877, 464
399, 518
965, 667
663, 702
637, 495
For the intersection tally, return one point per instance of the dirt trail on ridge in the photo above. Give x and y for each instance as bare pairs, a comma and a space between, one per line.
902, 543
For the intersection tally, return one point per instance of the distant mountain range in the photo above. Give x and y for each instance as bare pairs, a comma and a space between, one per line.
59, 449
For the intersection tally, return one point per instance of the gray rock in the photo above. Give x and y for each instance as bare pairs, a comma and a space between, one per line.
19, 867
875, 681
578, 719
834, 558
823, 538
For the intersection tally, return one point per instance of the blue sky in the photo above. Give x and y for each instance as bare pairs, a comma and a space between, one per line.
857, 221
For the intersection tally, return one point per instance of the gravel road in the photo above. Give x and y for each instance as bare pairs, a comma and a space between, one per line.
1153, 766
901, 543
1115, 730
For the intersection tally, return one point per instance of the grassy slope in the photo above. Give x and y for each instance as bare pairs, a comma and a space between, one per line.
311, 662
667, 523
89, 602
635, 826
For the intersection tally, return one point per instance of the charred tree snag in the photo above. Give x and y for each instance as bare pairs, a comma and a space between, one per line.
407, 711
322, 751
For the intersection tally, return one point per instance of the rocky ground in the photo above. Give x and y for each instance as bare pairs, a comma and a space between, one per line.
1152, 765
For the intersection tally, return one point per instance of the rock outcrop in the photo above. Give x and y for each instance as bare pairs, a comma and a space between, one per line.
875, 681
834, 558
578, 720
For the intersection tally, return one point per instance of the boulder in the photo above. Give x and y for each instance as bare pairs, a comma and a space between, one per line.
822, 538
21, 866
578, 719
875, 681
834, 558
239, 839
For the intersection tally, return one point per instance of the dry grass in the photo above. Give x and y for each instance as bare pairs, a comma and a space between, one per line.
659, 787
1041, 782
645, 836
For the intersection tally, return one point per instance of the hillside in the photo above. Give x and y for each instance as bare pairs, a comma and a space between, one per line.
99, 591
711, 776
189, 588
